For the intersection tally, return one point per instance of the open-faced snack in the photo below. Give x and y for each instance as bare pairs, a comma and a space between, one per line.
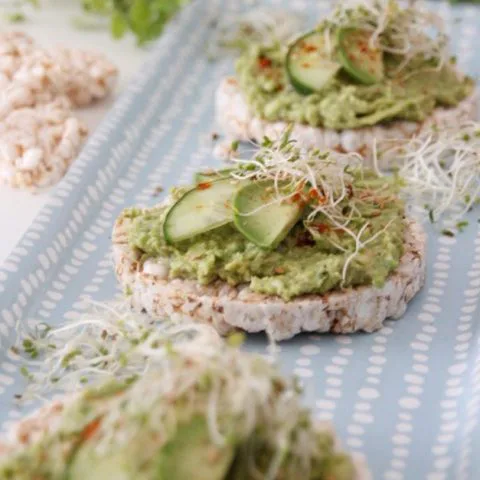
288, 241
207, 412
370, 71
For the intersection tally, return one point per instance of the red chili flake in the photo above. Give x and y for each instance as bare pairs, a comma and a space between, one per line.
90, 430
296, 197
350, 191
213, 455
264, 62
204, 185
299, 199
279, 270
24, 437
314, 194
306, 65
321, 227
363, 152
310, 48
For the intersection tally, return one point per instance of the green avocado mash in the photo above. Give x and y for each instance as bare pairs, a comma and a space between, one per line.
182, 422
408, 90
343, 103
312, 257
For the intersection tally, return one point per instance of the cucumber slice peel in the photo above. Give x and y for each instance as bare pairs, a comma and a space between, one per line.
263, 224
309, 65
201, 209
359, 60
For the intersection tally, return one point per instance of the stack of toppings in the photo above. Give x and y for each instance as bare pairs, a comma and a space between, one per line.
287, 222
203, 410
362, 65
369, 70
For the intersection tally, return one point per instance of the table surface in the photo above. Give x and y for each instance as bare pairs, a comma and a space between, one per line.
51, 26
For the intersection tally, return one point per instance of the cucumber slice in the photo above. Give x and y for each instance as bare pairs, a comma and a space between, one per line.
270, 224
190, 454
203, 208
357, 58
309, 65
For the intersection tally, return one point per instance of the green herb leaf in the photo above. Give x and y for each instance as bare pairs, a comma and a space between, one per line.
16, 17
139, 16
146, 19
69, 357
30, 348
448, 233
24, 371
267, 142
96, 6
462, 225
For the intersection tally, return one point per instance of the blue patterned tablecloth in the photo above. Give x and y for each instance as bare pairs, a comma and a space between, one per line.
407, 397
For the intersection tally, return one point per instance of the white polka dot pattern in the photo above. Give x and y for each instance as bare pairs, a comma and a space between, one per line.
406, 397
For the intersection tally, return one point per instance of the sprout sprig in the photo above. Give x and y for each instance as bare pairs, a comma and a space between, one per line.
441, 169
109, 341
198, 372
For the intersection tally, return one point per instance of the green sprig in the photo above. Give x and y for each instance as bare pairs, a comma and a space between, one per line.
145, 19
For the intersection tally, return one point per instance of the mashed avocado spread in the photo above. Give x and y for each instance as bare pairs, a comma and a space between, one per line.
311, 259
406, 90
165, 426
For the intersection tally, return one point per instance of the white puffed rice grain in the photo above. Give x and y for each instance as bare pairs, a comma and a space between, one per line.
37, 144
